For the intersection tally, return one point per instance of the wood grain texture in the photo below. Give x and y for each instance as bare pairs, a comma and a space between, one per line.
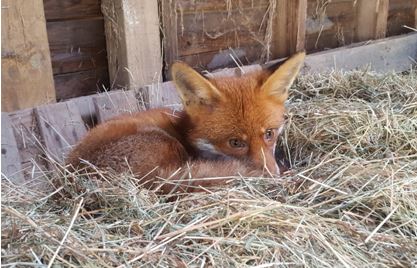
395, 54
164, 95
110, 104
29, 144
26, 65
289, 27
77, 45
61, 126
70, 9
329, 24
133, 42
216, 34
82, 83
371, 19
169, 19
11, 166
401, 12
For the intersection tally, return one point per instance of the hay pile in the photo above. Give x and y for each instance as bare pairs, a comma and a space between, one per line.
350, 201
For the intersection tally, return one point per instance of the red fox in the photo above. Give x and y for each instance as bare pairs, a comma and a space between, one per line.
228, 126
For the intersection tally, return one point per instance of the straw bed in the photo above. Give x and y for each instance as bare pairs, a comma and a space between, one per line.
349, 201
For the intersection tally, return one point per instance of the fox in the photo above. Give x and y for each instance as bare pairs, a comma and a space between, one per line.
228, 126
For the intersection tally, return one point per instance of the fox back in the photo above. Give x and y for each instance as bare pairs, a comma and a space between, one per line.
228, 126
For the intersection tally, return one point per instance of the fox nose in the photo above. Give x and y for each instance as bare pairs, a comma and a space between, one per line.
265, 159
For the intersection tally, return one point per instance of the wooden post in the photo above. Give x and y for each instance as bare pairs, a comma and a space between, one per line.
133, 42
289, 31
11, 166
170, 38
371, 19
26, 64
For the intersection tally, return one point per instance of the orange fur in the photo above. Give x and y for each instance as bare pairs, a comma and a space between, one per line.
229, 126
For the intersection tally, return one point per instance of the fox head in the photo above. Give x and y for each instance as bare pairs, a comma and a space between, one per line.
237, 117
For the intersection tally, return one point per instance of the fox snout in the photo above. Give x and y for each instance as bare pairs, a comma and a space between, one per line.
264, 159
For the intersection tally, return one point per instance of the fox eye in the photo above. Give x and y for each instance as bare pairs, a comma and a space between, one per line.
236, 143
269, 134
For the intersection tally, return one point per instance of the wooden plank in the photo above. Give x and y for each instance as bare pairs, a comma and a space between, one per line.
86, 109
329, 24
218, 5
29, 145
169, 19
227, 58
216, 34
11, 166
133, 42
61, 126
371, 19
202, 32
163, 95
401, 12
395, 54
83, 83
289, 29
110, 104
77, 45
70, 9
26, 65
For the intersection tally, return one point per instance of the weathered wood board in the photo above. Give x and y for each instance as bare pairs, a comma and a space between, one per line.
217, 34
61, 126
289, 28
29, 144
371, 19
394, 54
111, 104
163, 95
26, 65
77, 45
401, 13
81, 83
70, 9
11, 164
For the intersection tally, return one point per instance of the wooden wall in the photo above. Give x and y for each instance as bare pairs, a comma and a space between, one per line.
214, 34
77, 44
401, 12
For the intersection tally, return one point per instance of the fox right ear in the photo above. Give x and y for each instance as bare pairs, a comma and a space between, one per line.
278, 84
194, 89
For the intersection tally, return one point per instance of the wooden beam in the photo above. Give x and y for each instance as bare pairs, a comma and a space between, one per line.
61, 126
170, 38
28, 140
26, 64
395, 54
415, 14
290, 27
371, 19
133, 42
111, 104
11, 166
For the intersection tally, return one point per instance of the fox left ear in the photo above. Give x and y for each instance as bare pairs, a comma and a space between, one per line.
195, 90
278, 84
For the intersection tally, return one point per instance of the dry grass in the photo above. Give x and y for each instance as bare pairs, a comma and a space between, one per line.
350, 201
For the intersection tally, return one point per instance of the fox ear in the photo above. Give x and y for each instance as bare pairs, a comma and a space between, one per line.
279, 82
194, 89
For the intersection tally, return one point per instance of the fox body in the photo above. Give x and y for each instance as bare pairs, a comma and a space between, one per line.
228, 126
